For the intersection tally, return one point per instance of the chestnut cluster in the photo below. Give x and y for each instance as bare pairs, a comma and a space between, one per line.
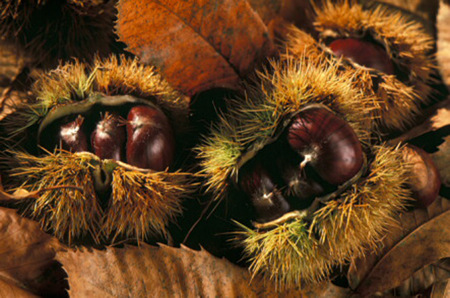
140, 135
318, 152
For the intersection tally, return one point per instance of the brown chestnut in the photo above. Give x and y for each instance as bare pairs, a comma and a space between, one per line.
364, 53
108, 138
327, 143
72, 136
150, 143
425, 181
267, 200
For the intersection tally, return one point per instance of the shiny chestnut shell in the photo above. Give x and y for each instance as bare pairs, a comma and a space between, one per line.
267, 200
328, 143
108, 137
365, 53
150, 139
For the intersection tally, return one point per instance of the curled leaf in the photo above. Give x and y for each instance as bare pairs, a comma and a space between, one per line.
197, 45
160, 272
422, 238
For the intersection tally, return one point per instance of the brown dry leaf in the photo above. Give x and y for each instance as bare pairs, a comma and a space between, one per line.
442, 160
441, 289
25, 250
11, 66
8, 289
424, 278
443, 41
326, 289
197, 45
422, 238
438, 117
277, 14
160, 272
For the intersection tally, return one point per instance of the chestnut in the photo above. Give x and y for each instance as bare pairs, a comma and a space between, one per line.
72, 136
108, 137
364, 53
150, 143
425, 181
327, 143
264, 195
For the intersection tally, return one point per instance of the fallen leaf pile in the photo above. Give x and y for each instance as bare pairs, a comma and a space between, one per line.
199, 45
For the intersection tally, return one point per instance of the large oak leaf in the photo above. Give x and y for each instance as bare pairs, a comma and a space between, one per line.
197, 45
422, 238
160, 272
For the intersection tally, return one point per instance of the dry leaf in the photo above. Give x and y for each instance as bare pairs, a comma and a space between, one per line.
442, 160
160, 272
443, 41
326, 289
26, 252
8, 289
424, 278
277, 14
197, 45
441, 289
422, 238
11, 66
439, 117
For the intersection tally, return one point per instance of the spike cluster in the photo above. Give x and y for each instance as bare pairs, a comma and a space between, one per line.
51, 31
304, 240
388, 54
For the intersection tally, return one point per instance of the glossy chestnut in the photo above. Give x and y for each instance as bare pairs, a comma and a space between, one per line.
327, 143
364, 53
108, 137
150, 139
267, 200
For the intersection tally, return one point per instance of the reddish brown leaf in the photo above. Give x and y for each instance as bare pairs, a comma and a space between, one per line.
8, 289
443, 41
197, 45
160, 272
25, 250
422, 238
